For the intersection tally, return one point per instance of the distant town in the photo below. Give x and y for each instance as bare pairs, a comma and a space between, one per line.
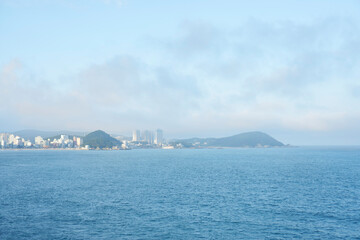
140, 139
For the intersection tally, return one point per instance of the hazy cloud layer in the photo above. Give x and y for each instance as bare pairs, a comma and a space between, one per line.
274, 77
118, 3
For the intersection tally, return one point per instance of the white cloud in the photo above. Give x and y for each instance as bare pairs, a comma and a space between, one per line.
275, 77
118, 3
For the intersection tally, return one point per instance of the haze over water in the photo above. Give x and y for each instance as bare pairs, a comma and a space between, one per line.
205, 68
278, 193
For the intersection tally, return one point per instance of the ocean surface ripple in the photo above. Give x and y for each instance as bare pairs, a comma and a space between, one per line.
280, 193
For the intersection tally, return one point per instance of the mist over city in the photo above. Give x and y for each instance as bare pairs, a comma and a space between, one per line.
194, 69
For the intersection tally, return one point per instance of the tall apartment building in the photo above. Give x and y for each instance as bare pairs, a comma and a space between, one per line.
39, 140
158, 137
148, 136
136, 135
79, 141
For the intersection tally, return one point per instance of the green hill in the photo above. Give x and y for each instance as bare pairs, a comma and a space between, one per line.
100, 139
248, 139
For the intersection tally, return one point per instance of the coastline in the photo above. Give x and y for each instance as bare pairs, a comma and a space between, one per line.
42, 149
84, 149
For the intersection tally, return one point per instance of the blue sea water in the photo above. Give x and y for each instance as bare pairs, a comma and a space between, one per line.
280, 193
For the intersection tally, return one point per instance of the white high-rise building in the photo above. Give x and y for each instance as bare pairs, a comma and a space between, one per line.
2, 143
3, 139
148, 136
158, 137
79, 141
136, 135
18, 141
27, 143
11, 139
64, 137
39, 140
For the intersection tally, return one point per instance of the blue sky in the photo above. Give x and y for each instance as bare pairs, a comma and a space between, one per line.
193, 68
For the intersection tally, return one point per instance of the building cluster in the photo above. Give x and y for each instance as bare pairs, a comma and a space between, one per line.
148, 139
140, 139
63, 142
8, 140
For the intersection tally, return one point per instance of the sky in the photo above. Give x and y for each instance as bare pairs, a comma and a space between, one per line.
211, 68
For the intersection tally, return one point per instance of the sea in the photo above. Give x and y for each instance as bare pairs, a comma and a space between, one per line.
249, 193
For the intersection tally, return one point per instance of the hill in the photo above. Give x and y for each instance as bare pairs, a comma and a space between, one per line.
248, 139
100, 139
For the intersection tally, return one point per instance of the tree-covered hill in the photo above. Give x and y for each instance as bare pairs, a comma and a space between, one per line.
248, 139
100, 139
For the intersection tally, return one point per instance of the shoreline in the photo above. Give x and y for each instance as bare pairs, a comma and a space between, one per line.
42, 149
83, 149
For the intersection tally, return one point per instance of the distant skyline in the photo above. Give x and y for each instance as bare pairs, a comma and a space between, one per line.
192, 68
